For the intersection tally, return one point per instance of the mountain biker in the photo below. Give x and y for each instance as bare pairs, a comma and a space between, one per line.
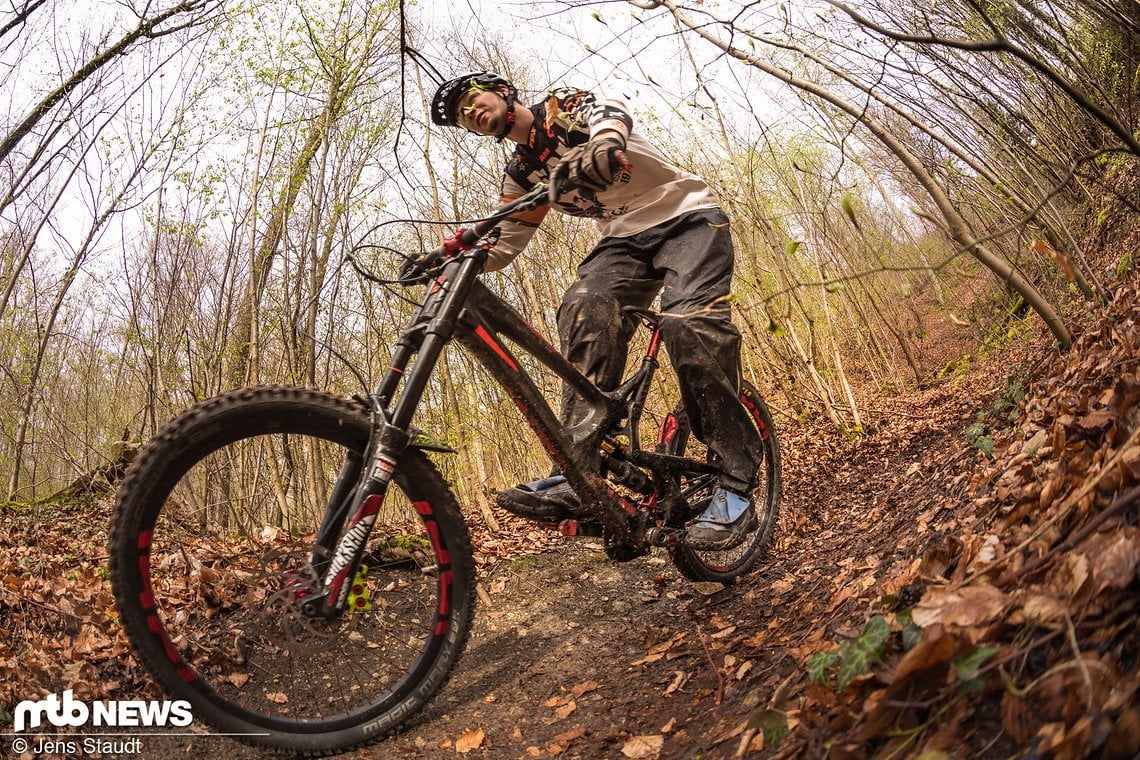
662, 231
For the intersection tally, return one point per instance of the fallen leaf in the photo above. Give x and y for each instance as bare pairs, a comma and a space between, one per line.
564, 711
781, 585
1071, 573
1115, 566
1095, 422
1062, 261
563, 740
679, 679
643, 746
582, 688
469, 740
1042, 608
277, 697
568, 736
966, 606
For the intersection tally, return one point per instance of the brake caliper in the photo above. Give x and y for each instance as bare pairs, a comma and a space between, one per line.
360, 596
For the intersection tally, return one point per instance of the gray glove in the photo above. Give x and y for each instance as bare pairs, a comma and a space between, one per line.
593, 166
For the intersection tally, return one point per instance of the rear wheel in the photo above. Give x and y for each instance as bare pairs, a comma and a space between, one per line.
727, 565
212, 556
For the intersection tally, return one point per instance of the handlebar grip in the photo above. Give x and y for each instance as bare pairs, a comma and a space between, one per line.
468, 237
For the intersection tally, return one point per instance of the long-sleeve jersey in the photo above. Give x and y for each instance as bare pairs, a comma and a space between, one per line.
652, 193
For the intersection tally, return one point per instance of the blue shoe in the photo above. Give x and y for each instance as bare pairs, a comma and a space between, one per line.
724, 524
547, 499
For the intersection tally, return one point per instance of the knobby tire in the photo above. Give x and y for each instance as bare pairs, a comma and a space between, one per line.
727, 565
210, 543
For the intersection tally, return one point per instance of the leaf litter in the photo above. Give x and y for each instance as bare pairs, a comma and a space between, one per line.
929, 596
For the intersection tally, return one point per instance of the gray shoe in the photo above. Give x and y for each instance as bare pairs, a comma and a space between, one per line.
548, 499
724, 524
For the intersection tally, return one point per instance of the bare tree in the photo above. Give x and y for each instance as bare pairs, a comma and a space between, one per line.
953, 222
163, 23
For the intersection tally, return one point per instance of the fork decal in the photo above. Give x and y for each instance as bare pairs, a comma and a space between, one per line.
350, 546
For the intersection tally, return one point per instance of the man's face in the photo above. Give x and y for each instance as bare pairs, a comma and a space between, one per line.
482, 111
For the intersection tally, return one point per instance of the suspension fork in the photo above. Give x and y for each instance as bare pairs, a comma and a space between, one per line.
433, 328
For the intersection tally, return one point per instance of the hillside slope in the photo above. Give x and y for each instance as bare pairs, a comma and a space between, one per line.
961, 580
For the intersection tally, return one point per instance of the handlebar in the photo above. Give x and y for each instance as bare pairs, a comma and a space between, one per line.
414, 270
465, 238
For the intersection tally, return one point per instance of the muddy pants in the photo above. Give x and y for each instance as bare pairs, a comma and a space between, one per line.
689, 261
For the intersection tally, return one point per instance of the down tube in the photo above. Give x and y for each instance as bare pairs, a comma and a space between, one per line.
497, 359
504, 320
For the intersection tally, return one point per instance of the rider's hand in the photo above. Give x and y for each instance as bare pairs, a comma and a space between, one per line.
593, 166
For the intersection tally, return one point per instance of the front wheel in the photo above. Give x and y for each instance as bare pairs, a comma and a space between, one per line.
727, 565
212, 553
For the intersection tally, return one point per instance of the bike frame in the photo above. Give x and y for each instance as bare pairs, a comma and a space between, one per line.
459, 307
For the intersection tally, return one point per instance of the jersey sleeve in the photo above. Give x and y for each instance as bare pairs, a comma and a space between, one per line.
591, 113
512, 235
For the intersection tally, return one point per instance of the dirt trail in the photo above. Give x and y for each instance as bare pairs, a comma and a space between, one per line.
573, 655
577, 656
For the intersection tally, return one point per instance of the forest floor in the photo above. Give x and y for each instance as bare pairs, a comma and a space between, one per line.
961, 580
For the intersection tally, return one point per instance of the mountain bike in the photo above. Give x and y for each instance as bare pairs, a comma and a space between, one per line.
294, 565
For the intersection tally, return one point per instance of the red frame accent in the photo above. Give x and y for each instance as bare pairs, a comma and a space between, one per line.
498, 349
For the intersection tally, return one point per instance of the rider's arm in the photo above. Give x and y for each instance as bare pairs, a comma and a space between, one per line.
515, 232
606, 117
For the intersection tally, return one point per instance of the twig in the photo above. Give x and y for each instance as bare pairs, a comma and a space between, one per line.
24, 600
985, 670
1082, 666
1125, 499
708, 655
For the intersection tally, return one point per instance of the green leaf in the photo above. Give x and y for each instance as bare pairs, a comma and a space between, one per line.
832, 287
859, 655
855, 663
911, 633
848, 205
875, 635
819, 663
793, 246
768, 719
967, 667
976, 432
774, 328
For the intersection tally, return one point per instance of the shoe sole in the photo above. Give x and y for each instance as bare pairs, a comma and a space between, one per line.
532, 511
733, 540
